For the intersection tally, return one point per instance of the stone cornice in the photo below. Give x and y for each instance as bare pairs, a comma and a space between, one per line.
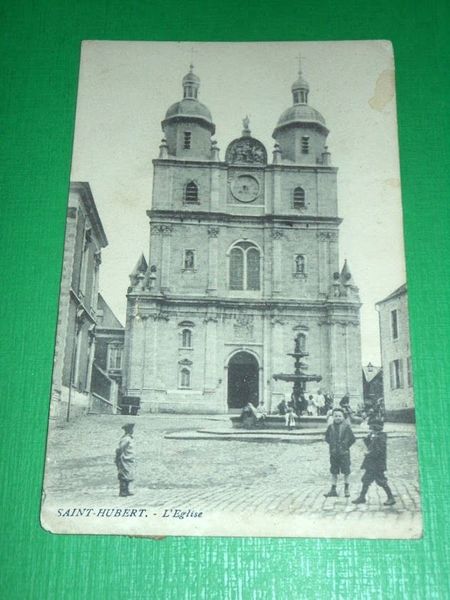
211, 164
84, 193
107, 331
260, 304
219, 217
80, 305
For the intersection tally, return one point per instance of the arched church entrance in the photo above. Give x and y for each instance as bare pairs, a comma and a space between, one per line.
243, 385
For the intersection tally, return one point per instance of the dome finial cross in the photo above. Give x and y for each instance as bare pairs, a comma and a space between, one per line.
299, 63
191, 65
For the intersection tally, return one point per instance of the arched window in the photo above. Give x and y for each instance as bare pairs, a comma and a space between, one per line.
299, 197
191, 193
186, 338
245, 269
185, 378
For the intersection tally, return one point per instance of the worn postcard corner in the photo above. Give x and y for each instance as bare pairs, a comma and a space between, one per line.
233, 355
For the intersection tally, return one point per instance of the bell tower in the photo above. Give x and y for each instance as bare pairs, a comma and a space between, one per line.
243, 258
188, 125
301, 131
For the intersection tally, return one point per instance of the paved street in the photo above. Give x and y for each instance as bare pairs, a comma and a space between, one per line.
265, 477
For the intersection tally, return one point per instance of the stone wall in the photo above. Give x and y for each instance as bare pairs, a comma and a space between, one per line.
396, 349
156, 354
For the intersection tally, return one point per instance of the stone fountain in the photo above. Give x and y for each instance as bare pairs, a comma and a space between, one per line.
298, 378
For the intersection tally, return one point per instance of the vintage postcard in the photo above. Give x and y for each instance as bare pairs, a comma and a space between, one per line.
232, 354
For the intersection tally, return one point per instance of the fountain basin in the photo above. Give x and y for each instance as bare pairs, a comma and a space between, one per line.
279, 422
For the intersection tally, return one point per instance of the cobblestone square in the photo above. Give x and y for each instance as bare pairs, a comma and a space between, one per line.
272, 478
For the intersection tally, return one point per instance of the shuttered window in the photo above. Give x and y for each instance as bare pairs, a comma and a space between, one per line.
299, 197
191, 193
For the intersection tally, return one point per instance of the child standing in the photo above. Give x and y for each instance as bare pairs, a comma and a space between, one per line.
125, 460
290, 418
339, 437
374, 463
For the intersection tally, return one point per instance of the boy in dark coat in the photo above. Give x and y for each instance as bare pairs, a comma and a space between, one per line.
339, 437
374, 463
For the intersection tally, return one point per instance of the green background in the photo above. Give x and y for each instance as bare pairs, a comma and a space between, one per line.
39, 54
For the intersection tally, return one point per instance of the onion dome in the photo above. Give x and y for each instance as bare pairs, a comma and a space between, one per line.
189, 108
300, 112
300, 84
191, 78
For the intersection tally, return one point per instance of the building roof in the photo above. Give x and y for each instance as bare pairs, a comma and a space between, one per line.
300, 83
189, 107
398, 292
302, 113
191, 77
109, 319
370, 372
84, 190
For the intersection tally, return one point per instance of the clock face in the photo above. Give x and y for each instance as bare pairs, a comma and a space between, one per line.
245, 188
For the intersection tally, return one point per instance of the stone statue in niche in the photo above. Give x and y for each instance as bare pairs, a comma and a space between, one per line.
300, 264
189, 259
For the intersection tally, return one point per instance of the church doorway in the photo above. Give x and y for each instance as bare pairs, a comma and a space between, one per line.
243, 375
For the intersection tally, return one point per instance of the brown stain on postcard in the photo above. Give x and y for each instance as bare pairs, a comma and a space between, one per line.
384, 90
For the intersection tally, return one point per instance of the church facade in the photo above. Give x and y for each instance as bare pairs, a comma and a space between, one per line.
243, 260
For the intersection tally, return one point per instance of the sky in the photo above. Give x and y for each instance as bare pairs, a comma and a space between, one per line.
125, 89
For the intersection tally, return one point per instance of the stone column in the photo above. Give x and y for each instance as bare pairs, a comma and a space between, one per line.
91, 342
113, 396
150, 350
215, 187
347, 356
333, 254
211, 375
155, 252
144, 321
325, 357
159, 361
322, 261
354, 366
276, 191
136, 354
278, 363
267, 362
98, 262
166, 231
327, 248
64, 311
213, 232
277, 258
334, 357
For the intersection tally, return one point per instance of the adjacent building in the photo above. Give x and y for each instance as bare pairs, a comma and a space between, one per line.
243, 259
396, 351
372, 382
75, 341
107, 368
